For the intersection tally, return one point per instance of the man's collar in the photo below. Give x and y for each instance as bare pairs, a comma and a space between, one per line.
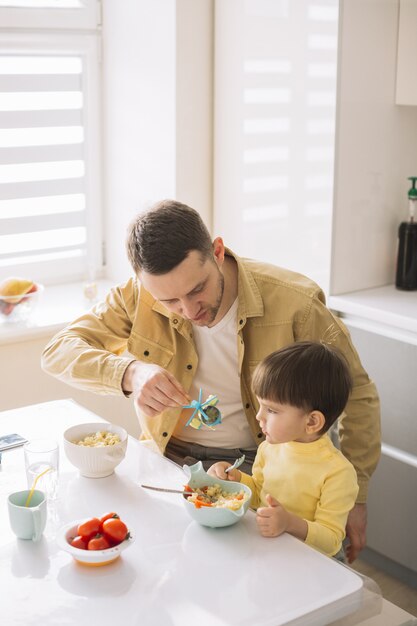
250, 299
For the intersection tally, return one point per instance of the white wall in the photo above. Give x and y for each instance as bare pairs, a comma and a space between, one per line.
157, 83
375, 148
194, 99
138, 116
23, 382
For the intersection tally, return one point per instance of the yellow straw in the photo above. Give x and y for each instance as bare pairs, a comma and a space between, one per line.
34, 485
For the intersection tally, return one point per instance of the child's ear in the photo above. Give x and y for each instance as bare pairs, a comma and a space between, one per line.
315, 422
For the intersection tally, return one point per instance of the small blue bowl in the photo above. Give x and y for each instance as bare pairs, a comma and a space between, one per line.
212, 516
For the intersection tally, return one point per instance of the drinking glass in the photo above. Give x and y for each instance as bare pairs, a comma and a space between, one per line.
42, 454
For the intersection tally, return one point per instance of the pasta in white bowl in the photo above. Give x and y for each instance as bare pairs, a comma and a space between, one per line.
99, 439
96, 448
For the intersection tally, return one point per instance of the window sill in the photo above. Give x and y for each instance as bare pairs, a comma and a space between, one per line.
58, 305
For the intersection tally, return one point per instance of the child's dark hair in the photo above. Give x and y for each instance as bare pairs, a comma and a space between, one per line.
308, 375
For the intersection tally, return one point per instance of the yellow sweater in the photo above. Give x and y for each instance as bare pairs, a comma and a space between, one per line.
312, 480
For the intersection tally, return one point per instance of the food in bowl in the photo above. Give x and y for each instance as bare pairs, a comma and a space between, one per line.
101, 533
99, 439
95, 541
215, 496
18, 297
215, 516
91, 460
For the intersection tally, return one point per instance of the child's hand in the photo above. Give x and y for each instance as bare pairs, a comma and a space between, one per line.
218, 471
272, 520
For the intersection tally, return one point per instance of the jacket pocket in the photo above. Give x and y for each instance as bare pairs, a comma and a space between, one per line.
149, 351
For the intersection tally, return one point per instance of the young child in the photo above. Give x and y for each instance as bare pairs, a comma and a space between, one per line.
301, 484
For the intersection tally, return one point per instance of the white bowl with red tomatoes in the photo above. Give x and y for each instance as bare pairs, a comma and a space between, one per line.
95, 541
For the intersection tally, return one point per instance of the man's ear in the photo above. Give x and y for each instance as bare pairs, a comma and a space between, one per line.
315, 422
218, 251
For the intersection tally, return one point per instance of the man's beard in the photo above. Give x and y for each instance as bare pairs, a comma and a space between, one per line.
212, 311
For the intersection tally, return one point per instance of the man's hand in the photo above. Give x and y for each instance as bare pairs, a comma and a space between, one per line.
356, 531
154, 389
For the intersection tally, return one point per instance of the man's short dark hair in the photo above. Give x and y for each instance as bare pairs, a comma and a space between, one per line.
308, 375
162, 238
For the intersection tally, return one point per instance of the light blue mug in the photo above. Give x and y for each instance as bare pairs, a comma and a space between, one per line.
27, 522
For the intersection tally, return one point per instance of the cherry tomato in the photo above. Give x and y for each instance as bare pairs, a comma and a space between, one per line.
88, 528
111, 515
79, 542
98, 543
115, 530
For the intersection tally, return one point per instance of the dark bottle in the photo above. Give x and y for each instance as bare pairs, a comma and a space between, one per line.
406, 276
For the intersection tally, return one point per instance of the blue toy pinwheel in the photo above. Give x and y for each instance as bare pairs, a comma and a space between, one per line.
205, 413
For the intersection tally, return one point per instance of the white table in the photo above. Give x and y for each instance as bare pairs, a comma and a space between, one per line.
177, 573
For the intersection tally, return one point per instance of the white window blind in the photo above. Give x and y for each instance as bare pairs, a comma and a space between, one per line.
56, 14
275, 106
49, 157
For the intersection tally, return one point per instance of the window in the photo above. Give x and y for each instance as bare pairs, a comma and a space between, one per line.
44, 14
275, 107
49, 145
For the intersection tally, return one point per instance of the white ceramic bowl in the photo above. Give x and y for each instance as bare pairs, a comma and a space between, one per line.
214, 517
94, 462
93, 558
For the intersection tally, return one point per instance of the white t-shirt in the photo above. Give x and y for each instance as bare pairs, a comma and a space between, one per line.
217, 374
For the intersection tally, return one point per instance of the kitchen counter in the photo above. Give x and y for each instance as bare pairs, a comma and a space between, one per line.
387, 310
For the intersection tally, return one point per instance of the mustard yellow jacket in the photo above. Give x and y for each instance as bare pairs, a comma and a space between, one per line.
276, 307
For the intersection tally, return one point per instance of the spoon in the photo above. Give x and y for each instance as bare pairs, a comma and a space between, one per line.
236, 464
184, 493
29, 498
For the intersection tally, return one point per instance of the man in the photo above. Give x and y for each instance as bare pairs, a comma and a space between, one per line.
198, 316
